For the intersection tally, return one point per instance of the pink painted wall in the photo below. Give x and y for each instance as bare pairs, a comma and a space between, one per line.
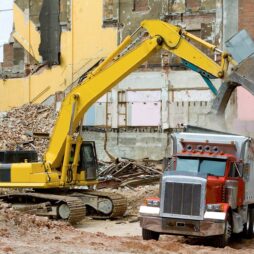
146, 114
144, 108
245, 101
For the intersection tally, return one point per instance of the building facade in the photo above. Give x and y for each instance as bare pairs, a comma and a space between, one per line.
142, 110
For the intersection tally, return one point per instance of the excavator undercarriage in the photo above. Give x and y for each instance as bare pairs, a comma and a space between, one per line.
66, 203
71, 205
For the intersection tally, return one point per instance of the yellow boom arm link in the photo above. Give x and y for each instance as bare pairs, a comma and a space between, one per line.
110, 72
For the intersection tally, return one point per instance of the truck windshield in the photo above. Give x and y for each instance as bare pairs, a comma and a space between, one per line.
201, 165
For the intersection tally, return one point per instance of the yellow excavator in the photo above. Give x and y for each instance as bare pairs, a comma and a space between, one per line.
62, 185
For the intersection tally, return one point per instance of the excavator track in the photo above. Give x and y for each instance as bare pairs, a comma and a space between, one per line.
70, 206
119, 204
75, 209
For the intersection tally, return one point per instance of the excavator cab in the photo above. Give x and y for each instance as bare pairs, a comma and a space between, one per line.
87, 160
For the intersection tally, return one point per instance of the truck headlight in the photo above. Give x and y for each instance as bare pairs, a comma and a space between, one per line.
215, 207
155, 202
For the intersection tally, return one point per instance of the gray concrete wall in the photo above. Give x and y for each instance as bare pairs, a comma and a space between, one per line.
230, 19
141, 92
130, 144
154, 143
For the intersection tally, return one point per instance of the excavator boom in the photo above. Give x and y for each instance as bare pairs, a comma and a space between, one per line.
161, 35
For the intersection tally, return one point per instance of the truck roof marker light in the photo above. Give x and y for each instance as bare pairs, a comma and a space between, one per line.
200, 148
215, 149
207, 148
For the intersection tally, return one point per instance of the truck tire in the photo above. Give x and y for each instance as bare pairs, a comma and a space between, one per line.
248, 231
223, 240
150, 235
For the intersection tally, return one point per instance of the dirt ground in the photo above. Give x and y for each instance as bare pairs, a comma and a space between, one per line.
23, 233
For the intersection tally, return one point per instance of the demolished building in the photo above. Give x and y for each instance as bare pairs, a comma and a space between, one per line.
152, 101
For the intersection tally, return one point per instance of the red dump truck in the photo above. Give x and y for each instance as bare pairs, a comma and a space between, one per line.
207, 189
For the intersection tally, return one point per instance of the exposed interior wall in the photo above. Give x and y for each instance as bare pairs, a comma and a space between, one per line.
162, 95
244, 123
136, 143
184, 98
117, 109
81, 46
50, 32
150, 99
192, 15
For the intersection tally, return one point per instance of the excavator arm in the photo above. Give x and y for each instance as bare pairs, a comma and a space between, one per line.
116, 67
176, 40
129, 55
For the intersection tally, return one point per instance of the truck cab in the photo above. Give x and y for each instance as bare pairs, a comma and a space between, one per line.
222, 172
205, 191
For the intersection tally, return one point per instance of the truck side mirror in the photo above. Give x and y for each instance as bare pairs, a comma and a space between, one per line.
240, 168
168, 163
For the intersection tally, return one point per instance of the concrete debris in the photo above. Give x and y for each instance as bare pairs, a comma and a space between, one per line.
125, 172
27, 128
12, 218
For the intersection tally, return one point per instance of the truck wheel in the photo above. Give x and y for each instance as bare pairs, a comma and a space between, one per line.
248, 231
150, 235
223, 240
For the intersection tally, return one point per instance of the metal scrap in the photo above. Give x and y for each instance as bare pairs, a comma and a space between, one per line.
128, 173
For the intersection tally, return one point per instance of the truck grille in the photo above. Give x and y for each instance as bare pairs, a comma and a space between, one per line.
182, 199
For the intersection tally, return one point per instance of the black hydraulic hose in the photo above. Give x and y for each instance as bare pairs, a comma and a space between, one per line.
69, 175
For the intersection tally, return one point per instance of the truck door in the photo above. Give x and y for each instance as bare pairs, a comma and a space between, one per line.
235, 174
88, 160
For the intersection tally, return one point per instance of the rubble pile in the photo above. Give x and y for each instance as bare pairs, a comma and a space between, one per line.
27, 128
130, 173
136, 197
11, 218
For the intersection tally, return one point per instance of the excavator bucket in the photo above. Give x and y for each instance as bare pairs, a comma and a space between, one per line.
242, 75
241, 46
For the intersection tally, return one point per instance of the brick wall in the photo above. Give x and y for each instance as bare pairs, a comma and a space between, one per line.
140, 5
193, 5
246, 16
8, 55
